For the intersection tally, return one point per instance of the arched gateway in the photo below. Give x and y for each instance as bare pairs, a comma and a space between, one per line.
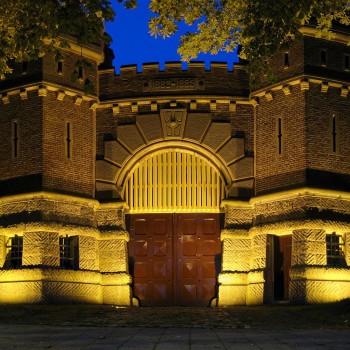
174, 254
173, 186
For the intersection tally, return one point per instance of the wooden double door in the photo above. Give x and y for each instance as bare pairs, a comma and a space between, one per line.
174, 259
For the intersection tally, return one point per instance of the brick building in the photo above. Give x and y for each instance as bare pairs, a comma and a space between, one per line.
176, 187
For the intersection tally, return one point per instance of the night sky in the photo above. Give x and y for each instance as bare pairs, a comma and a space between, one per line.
132, 44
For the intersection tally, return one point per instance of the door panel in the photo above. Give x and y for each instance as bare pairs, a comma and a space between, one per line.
175, 258
198, 237
150, 256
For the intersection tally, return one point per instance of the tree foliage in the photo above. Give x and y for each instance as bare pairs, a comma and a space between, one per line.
28, 28
261, 27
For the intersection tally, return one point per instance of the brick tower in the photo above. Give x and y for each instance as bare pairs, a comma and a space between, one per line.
50, 237
298, 241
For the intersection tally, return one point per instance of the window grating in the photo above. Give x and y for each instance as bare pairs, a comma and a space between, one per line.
335, 250
174, 181
14, 252
69, 258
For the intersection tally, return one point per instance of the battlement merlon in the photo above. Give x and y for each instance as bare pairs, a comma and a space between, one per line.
174, 67
151, 80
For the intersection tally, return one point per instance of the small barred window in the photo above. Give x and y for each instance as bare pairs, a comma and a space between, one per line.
69, 253
335, 250
14, 252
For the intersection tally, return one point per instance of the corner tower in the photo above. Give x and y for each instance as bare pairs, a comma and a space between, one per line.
49, 229
298, 219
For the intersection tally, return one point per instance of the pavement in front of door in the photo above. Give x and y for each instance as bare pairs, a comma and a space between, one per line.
323, 327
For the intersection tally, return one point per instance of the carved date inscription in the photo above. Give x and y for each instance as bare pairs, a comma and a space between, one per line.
172, 84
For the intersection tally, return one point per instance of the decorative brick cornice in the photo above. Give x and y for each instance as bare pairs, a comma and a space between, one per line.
304, 84
43, 89
213, 104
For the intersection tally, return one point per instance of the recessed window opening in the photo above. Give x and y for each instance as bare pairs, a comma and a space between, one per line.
347, 62
15, 139
24, 67
335, 250
68, 140
334, 134
60, 67
80, 72
14, 252
69, 258
286, 60
279, 136
323, 57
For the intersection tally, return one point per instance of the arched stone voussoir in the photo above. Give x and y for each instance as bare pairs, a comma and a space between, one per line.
115, 152
196, 126
232, 150
150, 127
130, 137
218, 134
106, 171
243, 168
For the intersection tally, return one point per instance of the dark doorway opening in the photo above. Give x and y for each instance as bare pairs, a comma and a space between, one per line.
277, 277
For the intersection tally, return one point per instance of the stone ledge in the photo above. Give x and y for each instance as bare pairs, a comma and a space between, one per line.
63, 229
241, 278
320, 273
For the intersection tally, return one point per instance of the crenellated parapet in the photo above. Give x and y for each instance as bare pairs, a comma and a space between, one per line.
174, 80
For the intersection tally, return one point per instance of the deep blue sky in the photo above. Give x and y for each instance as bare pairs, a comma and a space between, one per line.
132, 44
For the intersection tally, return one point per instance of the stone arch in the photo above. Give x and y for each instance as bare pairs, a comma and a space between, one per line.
181, 129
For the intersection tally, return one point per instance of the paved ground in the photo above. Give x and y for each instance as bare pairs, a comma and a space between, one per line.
89, 338
284, 327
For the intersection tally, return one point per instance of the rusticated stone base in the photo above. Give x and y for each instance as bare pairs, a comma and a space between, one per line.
314, 285
238, 288
232, 295
45, 285
308, 215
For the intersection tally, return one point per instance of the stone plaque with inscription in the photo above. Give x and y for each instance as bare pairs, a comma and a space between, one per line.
173, 84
